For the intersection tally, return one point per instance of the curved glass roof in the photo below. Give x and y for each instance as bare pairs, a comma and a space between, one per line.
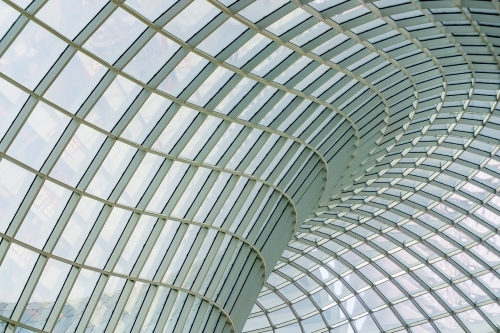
164, 165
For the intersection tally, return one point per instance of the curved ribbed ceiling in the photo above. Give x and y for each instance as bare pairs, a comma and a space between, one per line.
161, 161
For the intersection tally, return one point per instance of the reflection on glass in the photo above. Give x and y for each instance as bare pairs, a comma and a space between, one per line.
159, 249
167, 187
185, 72
31, 55
288, 21
109, 235
77, 301
77, 228
211, 86
272, 61
14, 184
38, 136
249, 50
222, 37
141, 179
106, 304
111, 170
135, 244
201, 137
14, 273
116, 34
113, 103
43, 214
74, 84
8, 16
69, 18
77, 155
45, 293
11, 102
133, 306
146, 118
192, 19
151, 58
151, 9
175, 129
260, 9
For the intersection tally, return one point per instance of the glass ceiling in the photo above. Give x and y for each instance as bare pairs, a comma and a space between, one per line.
257, 166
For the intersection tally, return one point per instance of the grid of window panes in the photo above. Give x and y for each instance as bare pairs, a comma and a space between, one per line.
412, 244
157, 156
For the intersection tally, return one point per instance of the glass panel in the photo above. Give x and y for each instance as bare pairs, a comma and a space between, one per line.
31, 55
14, 273
293, 70
69, 18
223, 144
243, 149
281, 316
222, 37
192, 19
111, 170
113, 103
185, 72
160, 248
213, 195
43, 214
474, 322
448, 325
167, 187
387, 319
156, 309
77, 156
180, 255
38, 136
135, 244
288, 21
147, 117
272, 61
408, 312
108, 237
200, 258
191, 192
23, 3
151, 58
150, 9
257, 103
14, 184
141, 179
260, 9
175, 129
249, 50
78, 228
133, 306
201, 137
114, 36
310, 33
106, 304
12, 100
77, 301
211, 86
235, 96
75, 83
45, 294
8, 16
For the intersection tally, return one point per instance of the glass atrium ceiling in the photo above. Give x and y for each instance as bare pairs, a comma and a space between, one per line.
257, 166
